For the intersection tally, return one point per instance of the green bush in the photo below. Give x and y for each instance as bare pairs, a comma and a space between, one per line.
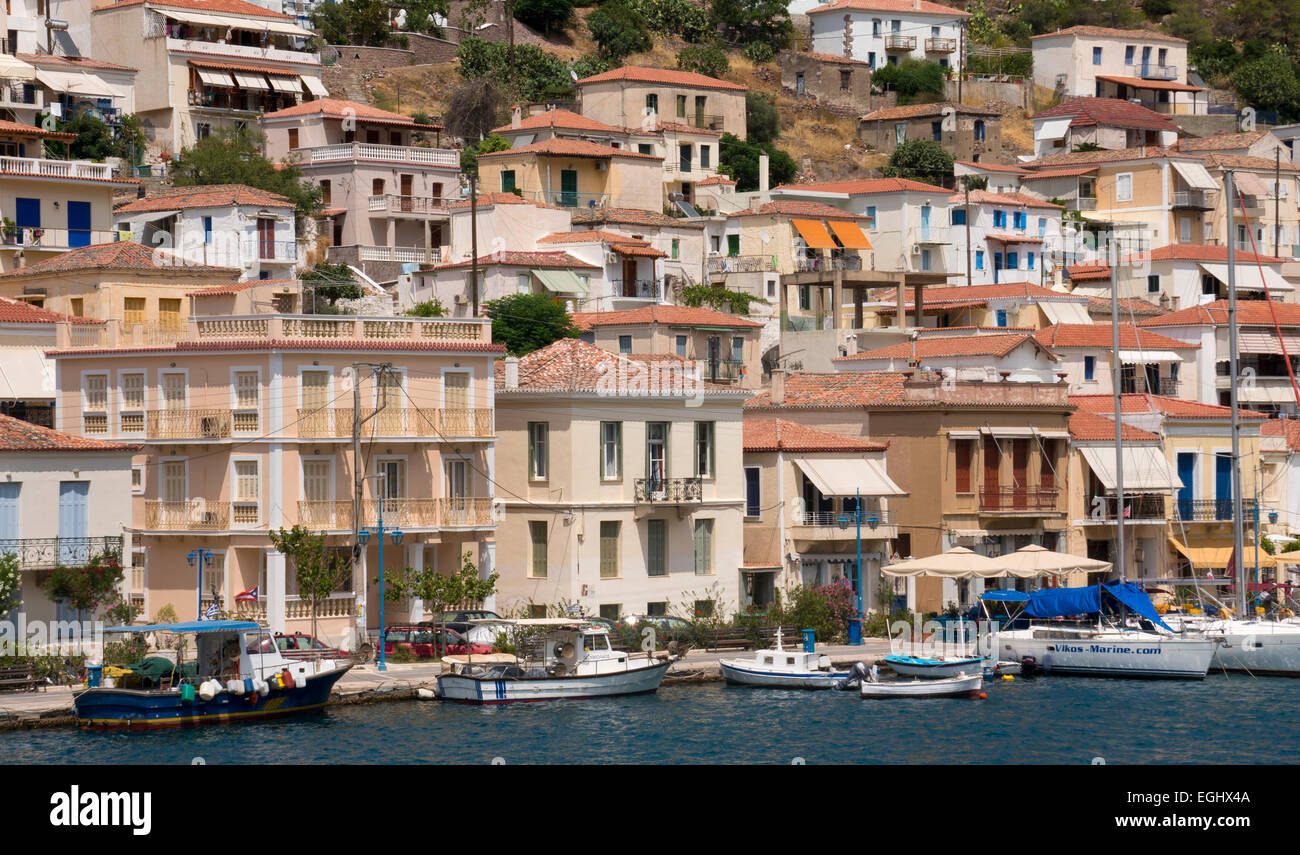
545, 15
915, 81
618, 30
920, 160
759, 52
535, 70
704, 59
762, 121
125, 652
677, 18
739, 159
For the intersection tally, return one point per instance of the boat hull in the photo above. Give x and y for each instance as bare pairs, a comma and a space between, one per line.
1110, 654
136, 709
743, 674
914, 666
470, 689
1265, 649
949, 687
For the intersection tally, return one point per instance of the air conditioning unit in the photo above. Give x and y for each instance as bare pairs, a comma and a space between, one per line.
916, 249
601, 166
460, 299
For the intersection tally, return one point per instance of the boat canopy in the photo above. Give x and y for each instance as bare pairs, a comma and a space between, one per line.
1136, 599
1000, 596
191, 626
1062, 602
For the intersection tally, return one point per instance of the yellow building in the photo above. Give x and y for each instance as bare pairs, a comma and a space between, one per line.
576, 174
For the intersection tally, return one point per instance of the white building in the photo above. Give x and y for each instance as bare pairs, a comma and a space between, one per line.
1016, 357
1127, 64
882, 32
1012, 237
1149, 362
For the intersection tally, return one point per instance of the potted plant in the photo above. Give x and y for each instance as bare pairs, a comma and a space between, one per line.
9, 231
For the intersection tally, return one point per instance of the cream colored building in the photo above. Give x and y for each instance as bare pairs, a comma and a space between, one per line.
1104, 62
621, 482
576, 174
636, 97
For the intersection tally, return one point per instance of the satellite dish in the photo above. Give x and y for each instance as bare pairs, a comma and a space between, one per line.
764, 236
574, 75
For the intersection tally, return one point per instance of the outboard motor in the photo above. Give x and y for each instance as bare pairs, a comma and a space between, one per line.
1028, 665
857, 674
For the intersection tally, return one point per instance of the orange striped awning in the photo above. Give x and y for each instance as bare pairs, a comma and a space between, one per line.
850, 235
814, 234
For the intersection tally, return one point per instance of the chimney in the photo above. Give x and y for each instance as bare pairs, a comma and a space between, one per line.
512, 372
778, 386
516, 116
764, 183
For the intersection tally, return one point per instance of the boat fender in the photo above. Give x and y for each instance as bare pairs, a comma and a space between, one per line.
187, 692
249, 686
984, 696
1008, 677
426, 694
235, 687
252, 697
205, 691
286, 677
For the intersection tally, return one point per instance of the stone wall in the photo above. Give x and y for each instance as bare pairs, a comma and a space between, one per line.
1208, 126
1016, 94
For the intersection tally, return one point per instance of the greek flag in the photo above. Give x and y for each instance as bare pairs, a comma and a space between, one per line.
210, 612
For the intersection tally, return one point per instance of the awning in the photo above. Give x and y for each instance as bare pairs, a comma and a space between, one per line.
1248, 276
212, 77
1065, 313
850, 235
1051, 434
1146, 469
25, 373
1008, 431
1148, 357
281, 83
561, 281
814, 234
1262, 394
241, 23
760, 568
248, 80
12, 68
146, 217
200, 20
315, 87
1053, 129
848, 477
1154, 85
1215, 554
1266, 341
963, 434
76, 83
1250, 185
1196, 175
284, 28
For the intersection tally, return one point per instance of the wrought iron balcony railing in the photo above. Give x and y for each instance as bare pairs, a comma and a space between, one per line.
44, 553
669, 490
1211, 510
1019, 498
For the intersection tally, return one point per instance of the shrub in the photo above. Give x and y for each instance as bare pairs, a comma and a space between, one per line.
618, 29
762, 121
545, 15
678, 18
704, 59
759, 52
920, 160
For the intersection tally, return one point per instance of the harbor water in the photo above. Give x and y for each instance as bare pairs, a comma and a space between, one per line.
1029, 721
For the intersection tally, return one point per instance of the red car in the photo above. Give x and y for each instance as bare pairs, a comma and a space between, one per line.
426, 642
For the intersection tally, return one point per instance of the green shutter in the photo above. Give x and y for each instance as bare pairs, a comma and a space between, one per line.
703, 547
733, 244
609, 549
655, 548
537, 529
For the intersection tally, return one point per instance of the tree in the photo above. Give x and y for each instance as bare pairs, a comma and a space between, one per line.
440, 592
677, 18
420, 16
11, 584
319, 570
915, 81
487, 145
85, 586
719, 297
234, 156
428, 309
710, 60
353, 22
545, 15
474, 109
762, 121
739, 159
1269, 83
618, 29
536, 72
527, 322
920, 160
331, 282
749, 21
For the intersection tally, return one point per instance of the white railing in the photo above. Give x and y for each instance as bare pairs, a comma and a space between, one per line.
43, 238
263, 53
373, 151
55, 168
398, 253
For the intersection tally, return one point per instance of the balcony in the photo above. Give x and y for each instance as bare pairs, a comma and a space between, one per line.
669, 491
1146, 507
1251, 202
272, 251
818, 264
740, 264
689, 166
637, 289
1023, 500
46, 553
832, 518
1152, 71
336, 423
188, 424
263, 54
940, 45
187, 515
931, 236
21, 98
1085, 203
1197, 199
238, 101
723, 370
42, 168
568, 199
55, 240
702, 120
335, 606
459, 512
357, 253
893, 42
355, 151
1211, 510
415, 206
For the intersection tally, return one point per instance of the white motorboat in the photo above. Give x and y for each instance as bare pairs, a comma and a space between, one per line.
782, 669
572, 660
932, 667
964, 686
1262, 647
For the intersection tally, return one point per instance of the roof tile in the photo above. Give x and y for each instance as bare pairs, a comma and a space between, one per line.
17, 435
641, 74
782, 435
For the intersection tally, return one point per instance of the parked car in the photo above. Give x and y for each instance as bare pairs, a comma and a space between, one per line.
668, 630
300, 645
429, 643
460, 620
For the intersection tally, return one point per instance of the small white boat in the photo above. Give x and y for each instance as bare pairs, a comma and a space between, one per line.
966, 686
937, 666
782, 669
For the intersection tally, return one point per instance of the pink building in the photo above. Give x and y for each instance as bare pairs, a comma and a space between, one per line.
246, 425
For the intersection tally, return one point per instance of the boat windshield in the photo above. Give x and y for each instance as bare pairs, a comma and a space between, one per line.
595, 642
256, 643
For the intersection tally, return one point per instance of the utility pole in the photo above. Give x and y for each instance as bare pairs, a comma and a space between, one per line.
961, 67
473, 237
1121, 548
357, 474
1277, 199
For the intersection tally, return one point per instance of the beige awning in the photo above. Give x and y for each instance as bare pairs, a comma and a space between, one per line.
76, 83
1146, 469
1065, 313
260, 25
847, 477
1248, 276
1196, 175
561, 281
957, 563
25, 373
1266, 341
12, 68
282, 83
249, 80
1014, 431
212, 77
1053, 129
1258, 393
1250, 185
315, 87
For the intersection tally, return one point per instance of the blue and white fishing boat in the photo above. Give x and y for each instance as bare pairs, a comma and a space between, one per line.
238, 675
779, 668
936, 667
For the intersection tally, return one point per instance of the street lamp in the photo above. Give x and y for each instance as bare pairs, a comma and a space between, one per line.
872, 522
363, 538
200, 558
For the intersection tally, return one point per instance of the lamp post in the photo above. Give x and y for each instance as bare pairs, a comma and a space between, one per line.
200, 558
872, 521
363, 538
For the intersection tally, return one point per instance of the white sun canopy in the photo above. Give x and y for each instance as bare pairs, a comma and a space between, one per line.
215, 78
315, 87
15, 69
1053, 129
260, 25
1248, 276
1147, 357
1065, 313
1196, 175
281, 83
1145, 468
848, 477
76, 83
961, 563
248, 80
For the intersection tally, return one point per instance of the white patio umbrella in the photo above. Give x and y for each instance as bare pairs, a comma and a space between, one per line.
1033, 560
957, 563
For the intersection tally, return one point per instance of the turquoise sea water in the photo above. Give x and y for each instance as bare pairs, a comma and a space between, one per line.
1044, 720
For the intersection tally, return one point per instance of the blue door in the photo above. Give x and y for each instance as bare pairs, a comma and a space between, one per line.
1223, 486
78, 224
9, 517
27, 213
1186, 474
73, 521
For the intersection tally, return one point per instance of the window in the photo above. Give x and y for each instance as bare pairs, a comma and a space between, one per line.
94, 404
771, 288
247, 493
1096, 56
1013, 261
1124, 187
214, 580
681, 345
875, 223
133, 309
753, 504
677, 244
625, 344
317, 479
1029, 258
1089, 367
131, 413
999, 219
609, 565
1184, 229
875, 26
137, 478
537, 533
293, 138
681, 106
1153, 283
1018, 220
959, 216
169, 313
609, 611
1042, 226
644, 148
538, 449
704, 547
964, 449
652, 103
704, 449
659, 609
925, 259
900, 130
846, 79
1128, 54
207, 230
611, 450
737, 350
656, 551
979, 259
706, 158
656, 454
805, 298
523, 283
936, 131
733, 245
979, 130
1002, 317
173, 486
507, 181
248, 404
871, 59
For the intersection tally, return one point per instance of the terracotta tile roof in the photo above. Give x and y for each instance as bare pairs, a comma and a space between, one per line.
631, 217
513, 258
672, 316
1076, 158
638, 249
925, 7
912, 111
1058, 173
1012, 200
1288, 428
46, 60
978, 294
497, 198
1249, 313
793, 208
571, 365
1088, 272
1135, 306
1220, 141
204, 196
1201, 252
640, 74
864, 186
121, 255
1110, 32
227, 7
1091, 427
1113, 112
841, 390
948, 331
1099, 335
571, 148
1013, 238
1246, 161
597, 235
563, 119
294, 344
239, 287
1174, 408
675, 127
17, 435
19, 312
993, 167
783, 435
938, 347
715, 179
20, 130
1140, 83
830, 57
337, 108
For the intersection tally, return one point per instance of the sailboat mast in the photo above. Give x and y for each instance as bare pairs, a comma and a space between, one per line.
1238, 537
1120, 549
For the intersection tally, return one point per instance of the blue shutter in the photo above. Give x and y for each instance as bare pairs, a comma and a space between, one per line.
1223, 486
73, 522
27, 213
9, 517
1186, 474
78, 224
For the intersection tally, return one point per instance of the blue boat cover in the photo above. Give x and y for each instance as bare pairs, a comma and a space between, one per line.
999, 595
191, 626
1062, 602
1136, 599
